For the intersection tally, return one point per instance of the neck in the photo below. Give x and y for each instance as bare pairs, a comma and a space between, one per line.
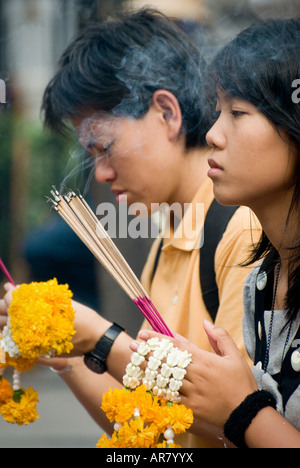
280, 230
193, 175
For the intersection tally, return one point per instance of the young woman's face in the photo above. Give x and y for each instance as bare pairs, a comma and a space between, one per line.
135, 157
252, 162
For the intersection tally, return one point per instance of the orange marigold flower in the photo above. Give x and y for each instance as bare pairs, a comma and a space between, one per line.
177, 416
42, 319
104, 442
6, 391
118, 405
136, 435
21, 409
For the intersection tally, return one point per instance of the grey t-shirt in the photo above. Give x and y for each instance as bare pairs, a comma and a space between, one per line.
283, 339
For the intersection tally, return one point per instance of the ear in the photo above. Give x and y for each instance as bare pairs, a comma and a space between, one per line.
167, 105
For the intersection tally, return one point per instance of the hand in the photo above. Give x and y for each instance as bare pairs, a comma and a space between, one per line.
4, 304
215, 384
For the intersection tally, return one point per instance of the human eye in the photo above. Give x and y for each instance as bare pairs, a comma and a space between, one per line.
237, 113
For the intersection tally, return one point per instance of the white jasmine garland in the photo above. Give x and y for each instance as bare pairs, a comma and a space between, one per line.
150, 374
137, 360
154, 363
134, 371
166, 371
143, 349
7, 343
169, 380
175, 385
161, 381
149, 384
178, 373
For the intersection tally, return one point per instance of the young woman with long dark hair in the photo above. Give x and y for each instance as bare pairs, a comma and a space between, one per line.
256, 162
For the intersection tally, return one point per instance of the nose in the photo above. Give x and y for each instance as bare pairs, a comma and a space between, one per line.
104, 173
215, 137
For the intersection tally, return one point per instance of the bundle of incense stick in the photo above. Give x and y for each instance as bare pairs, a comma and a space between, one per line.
79, 216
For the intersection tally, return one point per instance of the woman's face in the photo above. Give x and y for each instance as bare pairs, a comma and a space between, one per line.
252, 162
135, 157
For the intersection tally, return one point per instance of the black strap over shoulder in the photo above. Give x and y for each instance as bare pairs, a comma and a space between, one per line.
215, 225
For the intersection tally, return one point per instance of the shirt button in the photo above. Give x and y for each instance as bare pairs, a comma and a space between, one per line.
261, 281
259, 330
295, 360
175, 300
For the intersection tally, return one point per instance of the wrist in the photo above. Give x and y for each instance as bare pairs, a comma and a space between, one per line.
89, 327
241, 418
96, 359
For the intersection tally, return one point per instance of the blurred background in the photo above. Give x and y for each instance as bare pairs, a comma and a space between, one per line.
34, 243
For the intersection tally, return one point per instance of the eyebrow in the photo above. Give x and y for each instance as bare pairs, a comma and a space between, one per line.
91, 144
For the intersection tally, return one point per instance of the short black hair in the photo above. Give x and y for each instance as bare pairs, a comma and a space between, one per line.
115, 67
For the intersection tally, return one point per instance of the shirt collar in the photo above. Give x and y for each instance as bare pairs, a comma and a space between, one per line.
188, 234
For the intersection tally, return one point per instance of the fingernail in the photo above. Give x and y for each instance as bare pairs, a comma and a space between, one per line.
143, 335
134, 346
208, 324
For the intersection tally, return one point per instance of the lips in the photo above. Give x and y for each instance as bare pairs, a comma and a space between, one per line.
215, 169
121, 195
214, 165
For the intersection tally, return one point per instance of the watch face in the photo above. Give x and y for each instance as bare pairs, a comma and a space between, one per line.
94, 364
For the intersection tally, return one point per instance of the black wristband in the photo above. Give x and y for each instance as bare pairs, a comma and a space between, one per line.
241, 418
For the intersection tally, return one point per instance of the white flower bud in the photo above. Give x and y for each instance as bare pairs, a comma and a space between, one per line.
153, 343
134, 371
153, 363
178, 373
143, 349
149, 384
136, 359
161, 381
174, 385
150, 374
166, 371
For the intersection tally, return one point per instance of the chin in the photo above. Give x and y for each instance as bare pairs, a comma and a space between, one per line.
224, 198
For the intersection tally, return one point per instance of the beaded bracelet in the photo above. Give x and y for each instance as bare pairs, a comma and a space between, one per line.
241, 418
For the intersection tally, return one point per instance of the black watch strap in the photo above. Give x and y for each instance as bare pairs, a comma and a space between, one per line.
96, 359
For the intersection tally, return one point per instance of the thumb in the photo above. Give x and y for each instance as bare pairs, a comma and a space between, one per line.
220, 340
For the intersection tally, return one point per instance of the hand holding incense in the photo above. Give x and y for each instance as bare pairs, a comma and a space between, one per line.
79, 216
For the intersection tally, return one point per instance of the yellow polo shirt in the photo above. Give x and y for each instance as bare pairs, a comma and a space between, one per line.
176, 288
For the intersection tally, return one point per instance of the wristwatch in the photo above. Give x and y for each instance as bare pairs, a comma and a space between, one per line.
96, 359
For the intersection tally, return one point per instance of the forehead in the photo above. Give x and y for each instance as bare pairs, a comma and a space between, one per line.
95, 128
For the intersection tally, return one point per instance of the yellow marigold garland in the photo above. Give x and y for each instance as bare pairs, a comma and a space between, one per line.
6, 392
147, 429
41, 319
41, 322
21, 408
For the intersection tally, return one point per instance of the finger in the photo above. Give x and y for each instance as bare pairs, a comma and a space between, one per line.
3, 308
9, 287
134, 345
146, 335
220, 340
8, 298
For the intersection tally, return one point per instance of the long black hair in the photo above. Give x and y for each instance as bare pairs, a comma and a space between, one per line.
115, 67
260, 66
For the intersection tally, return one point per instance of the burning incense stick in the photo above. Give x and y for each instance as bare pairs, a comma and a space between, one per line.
79, 216
6, 272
